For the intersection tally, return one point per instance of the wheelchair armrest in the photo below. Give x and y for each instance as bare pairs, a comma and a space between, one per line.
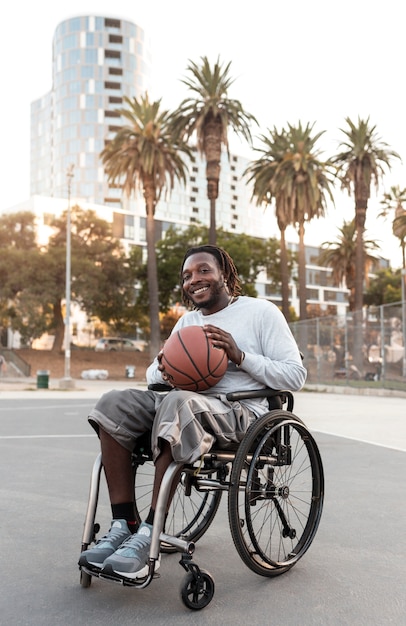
159, 387
262, 393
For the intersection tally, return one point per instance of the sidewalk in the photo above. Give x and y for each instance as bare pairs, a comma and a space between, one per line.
13, 387
27, 387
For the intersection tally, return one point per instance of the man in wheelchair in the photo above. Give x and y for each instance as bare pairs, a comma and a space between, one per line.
184, 425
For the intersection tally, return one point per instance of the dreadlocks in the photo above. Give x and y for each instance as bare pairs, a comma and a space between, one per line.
225, 263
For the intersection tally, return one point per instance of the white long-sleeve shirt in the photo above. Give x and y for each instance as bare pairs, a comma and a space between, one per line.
272, 357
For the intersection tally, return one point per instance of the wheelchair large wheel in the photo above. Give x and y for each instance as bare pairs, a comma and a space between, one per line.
276, 493
191, 511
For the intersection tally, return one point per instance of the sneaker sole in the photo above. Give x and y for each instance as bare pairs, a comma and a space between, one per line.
142, 573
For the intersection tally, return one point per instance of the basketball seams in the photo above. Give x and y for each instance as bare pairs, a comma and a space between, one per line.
187, 351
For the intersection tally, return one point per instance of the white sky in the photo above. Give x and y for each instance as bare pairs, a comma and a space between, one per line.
314, 61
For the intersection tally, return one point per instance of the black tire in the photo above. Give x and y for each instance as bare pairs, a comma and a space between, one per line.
191, 511
276, 493
196, 593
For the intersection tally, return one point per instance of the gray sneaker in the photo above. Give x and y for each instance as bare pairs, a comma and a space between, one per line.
131, 559
93, 558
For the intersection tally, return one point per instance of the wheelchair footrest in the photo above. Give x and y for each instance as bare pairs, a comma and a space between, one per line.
124, 582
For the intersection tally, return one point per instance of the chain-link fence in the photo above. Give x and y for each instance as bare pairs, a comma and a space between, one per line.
362, 349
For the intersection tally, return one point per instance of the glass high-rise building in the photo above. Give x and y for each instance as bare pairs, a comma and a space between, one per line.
95, 62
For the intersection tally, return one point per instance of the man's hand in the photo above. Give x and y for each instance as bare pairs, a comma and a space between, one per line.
165, 376
222, 339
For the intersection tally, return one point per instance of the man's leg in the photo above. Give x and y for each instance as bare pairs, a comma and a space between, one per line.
119, 477
117, 468
131, 559
161, 465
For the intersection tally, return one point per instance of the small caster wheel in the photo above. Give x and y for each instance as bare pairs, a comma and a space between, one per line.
85, 579
197, 591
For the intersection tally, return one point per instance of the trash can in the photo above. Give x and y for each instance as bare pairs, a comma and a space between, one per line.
130, 371
42, 379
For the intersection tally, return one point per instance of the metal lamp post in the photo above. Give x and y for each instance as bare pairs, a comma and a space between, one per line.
67, 381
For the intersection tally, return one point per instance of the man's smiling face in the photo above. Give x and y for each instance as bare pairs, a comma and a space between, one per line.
203, 283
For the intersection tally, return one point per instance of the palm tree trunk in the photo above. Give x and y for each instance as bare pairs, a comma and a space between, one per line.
212, 228
58, 325
212, 151
284, 276
359, 267
360, 214
152, 273
302, 274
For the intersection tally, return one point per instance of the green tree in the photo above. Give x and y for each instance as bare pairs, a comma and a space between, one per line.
394, 201
340, 255
208, 115
19, 253
32, 287
146, 155
361, 162
102, 280
384, 288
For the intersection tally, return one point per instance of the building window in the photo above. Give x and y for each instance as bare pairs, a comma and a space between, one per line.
330, 295
115, 38
112, 23
112, 54
116, 71
111, 85
91, 55
192, 199
312, 294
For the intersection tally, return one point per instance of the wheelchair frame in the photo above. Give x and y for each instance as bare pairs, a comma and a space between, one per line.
275, 497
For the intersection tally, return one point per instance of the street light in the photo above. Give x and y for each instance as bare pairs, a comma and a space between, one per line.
67, 381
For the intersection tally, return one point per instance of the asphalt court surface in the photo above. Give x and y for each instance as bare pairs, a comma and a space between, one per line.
353, 573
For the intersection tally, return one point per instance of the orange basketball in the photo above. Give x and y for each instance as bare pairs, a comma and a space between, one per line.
191, 360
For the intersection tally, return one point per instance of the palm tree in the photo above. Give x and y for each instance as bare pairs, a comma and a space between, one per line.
263, 173
291, 172
208, 115
340, 255
361, 162
145, 155
307, 182
395, 200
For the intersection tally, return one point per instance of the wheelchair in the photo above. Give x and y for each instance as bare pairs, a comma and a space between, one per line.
275, 485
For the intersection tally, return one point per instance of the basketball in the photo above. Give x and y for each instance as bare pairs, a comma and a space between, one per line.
191, 361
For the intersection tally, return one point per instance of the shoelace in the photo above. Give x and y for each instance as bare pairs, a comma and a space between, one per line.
136, 541
112, 535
